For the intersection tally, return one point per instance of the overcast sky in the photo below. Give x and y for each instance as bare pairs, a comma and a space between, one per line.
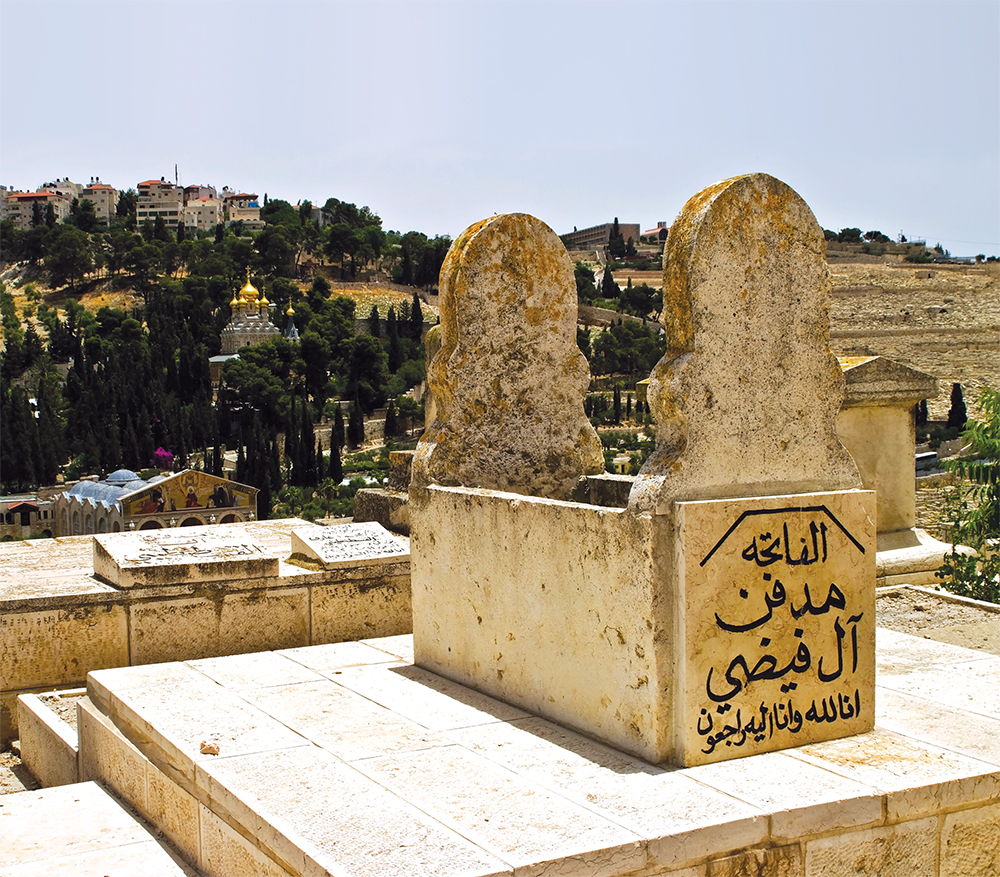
881, 115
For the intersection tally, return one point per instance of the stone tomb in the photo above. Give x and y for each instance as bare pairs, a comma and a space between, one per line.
609, 620
348, 544
167, 557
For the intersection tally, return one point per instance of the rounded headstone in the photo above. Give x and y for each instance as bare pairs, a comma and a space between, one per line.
508, 382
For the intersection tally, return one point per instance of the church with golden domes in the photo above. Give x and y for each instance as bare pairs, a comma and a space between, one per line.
250, 322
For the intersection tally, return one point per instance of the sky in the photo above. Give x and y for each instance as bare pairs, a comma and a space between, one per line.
881, 115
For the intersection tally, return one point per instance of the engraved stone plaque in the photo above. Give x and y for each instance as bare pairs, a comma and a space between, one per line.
777, 622
349, 545
171, 557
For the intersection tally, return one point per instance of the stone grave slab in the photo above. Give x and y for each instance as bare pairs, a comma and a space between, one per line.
170, 557
349, 545
777, 622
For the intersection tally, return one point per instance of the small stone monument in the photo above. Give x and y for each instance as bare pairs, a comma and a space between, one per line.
729, 609
156, 558
509, 380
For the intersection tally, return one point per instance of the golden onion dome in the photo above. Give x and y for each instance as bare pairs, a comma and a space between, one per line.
235, 303
249, 292
291, 311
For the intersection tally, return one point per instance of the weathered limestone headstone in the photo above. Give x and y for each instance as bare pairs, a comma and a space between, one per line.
349, 545
169, 557
773, 554
508, 382
748, 392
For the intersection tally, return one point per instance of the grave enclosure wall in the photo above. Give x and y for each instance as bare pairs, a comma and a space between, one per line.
59, 621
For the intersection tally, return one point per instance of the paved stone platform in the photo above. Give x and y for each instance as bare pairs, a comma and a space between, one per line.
347, 759
78, 830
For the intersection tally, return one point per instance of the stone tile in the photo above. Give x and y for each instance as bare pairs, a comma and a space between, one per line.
401, 645
897, 653
523, 824
801, 798
340, 820
424, 697
340, 721
969, 685
179, 718
918, 779
254, 670
653, 802
913, 716
907, 850
777, 620
246, 621
149, 858
970, 843
226, 852
64, 821
101, 683
334, 656
89, 638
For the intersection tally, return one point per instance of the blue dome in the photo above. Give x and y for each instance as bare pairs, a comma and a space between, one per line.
122, 476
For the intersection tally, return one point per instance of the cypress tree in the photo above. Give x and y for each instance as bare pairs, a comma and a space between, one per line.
957, 414
337, 436
320, 462
395, 351
628, 407
618, 405
356, 424
374, 324
390, 421
336, 469
416, 319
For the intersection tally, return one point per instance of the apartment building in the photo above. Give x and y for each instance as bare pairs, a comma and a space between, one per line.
203, 213
20, 206
104, 197
160, 198
242, 207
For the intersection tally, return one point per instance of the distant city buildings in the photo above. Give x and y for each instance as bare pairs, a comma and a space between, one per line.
599, 235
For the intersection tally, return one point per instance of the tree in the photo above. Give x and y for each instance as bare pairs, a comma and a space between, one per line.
125, 210
957, 414
849, 236
609, 289
586, 290
69, 257
975, 508
616, 241
391, 427
416, 319
356, 424
374, 324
